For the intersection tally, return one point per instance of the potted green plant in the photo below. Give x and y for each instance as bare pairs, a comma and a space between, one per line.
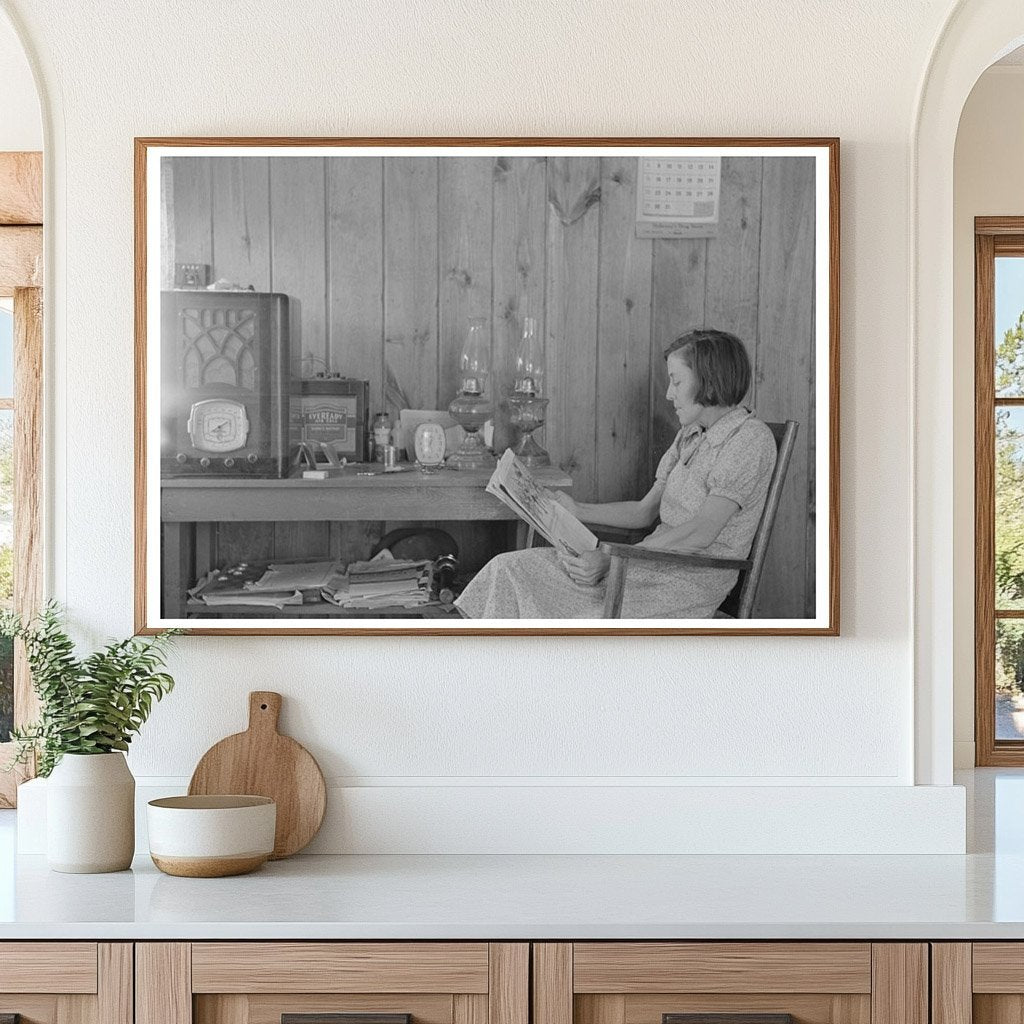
90, 708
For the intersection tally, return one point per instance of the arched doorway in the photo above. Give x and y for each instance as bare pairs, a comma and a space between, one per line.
976, 34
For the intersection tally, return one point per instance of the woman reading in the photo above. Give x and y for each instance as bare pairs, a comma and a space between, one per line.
709, 492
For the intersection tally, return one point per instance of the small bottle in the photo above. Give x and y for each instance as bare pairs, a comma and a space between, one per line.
381, 435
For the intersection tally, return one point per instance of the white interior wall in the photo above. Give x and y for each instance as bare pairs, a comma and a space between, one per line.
21, 127
436, 717
987, 182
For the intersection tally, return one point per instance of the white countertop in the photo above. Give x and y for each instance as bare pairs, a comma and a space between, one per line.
977, 896
517, 897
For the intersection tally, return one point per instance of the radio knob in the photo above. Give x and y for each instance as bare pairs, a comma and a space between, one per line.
252, 458
181, 458
228, 463
204, 462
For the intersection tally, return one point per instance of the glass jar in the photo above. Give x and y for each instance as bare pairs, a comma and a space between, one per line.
381, 435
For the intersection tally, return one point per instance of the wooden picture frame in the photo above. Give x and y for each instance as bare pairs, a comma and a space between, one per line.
373, 253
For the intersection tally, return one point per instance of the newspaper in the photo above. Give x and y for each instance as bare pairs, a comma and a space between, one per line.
512, 483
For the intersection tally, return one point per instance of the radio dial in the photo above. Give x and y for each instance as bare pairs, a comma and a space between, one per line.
228, 463
181, 458
252, 458
204, 462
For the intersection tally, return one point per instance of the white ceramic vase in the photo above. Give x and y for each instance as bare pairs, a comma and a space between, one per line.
90, 814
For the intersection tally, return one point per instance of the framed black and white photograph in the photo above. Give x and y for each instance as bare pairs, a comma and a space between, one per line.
497, 386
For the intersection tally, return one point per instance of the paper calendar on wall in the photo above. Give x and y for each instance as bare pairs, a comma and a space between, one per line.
678, 197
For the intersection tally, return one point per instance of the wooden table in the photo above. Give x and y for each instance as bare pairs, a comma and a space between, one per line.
191, 506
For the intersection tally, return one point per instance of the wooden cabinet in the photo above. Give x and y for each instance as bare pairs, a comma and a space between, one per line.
261, 982
66, 982
651, 982
494, 983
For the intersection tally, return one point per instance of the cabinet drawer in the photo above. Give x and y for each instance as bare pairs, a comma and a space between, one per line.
721, 967
730, 983
340, 967
66, 982
65, 967
332, 983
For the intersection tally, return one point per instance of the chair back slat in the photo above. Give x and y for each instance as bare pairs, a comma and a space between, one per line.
746, 587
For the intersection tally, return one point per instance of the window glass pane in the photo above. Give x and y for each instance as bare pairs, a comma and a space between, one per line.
6, 353
6, 567
1009, 323
1009, 679
1009, 481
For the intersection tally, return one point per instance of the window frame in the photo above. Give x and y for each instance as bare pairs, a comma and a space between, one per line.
21, 270
993, 237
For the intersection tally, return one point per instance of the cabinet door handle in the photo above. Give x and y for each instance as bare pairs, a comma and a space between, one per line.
337, 1018
726, 1018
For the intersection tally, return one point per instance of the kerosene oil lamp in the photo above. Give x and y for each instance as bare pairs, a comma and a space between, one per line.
472, 407
527, 409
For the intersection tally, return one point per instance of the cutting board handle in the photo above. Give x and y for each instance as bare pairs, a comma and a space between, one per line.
264, 710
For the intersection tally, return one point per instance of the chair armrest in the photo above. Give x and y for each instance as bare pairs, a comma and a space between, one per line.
674, 557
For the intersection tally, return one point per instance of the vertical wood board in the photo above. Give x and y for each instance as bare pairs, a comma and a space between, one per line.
353, 542
244, 542
552, 983
355, 246
116, 983
193, 208
508, 990
574, 194
467, 1009
167, 229
733, 256
785, 339
623, 400
310, 541
899, 983
951, 983
410, 284
518, 267
163, 983
465, 187
678, 293
298, 255
241, 220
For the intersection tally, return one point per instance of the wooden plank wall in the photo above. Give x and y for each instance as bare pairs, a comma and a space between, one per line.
387, 259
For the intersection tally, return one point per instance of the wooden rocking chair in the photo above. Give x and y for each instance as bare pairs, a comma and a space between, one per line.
740, 602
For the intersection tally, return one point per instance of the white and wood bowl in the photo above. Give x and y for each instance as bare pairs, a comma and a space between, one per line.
211, 836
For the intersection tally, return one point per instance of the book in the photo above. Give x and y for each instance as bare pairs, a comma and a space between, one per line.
381, 582
514, 485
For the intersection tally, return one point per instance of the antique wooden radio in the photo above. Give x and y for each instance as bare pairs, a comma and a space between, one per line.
225, 384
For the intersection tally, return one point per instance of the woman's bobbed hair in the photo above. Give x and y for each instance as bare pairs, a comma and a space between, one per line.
719, 362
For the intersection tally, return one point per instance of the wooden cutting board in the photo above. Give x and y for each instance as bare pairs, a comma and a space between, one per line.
262, 762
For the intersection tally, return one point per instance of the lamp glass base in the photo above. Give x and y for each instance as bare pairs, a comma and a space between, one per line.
529, 453
472, 454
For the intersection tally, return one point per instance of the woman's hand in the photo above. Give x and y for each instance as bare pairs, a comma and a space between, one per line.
587, 569
566, 502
